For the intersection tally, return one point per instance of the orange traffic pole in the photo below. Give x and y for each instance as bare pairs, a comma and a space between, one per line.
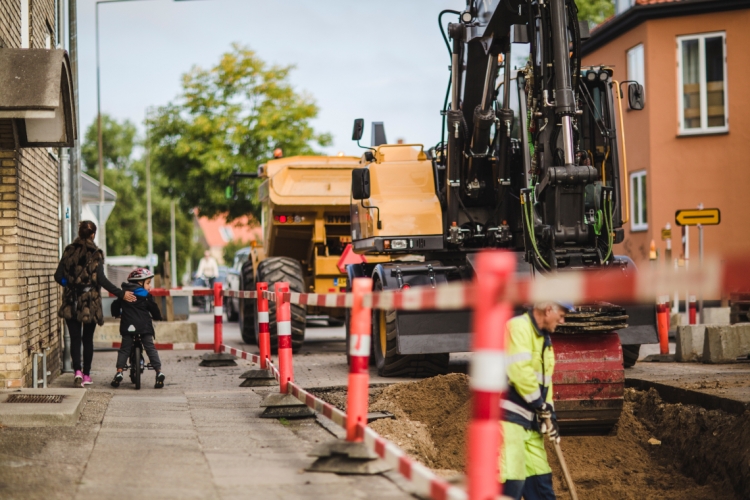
487, 373
359, 355
692, 310
264, 335
662, 323
218, 316
284, 335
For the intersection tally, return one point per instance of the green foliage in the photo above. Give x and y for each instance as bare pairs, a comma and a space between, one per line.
595, 11
127, 225
228, 118
231, 249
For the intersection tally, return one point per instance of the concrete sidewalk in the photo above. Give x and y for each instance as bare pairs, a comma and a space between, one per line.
199, 437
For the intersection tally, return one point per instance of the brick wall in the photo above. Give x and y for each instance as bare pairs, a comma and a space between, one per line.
29, 229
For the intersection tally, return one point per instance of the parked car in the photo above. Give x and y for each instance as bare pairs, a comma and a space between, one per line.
232, 304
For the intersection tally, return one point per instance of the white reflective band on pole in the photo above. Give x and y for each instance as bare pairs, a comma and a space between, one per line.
284, 328
487, 371
218, 310
263, 317
359, 345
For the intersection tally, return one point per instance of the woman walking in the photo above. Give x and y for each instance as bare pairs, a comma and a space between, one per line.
81, 274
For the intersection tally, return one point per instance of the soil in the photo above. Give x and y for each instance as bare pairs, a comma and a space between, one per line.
657, 450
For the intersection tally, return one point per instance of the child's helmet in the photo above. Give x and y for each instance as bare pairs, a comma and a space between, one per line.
140, 274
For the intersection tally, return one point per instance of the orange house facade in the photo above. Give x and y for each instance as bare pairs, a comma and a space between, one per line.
689, 145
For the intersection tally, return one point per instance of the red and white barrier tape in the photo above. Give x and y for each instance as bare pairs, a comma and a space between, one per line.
426, 483
613, 285
242, 294
175, 346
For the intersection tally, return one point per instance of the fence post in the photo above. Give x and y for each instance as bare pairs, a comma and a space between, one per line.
487, 373
218, 317
284, 335
218, 358
264, 335
359, 353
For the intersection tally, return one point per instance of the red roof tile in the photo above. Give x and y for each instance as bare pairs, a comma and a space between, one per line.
218, 232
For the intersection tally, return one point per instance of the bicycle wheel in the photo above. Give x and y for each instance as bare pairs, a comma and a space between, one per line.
137, 364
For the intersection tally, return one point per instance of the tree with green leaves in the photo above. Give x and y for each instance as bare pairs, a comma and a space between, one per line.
595, 11
126, 226
230, 118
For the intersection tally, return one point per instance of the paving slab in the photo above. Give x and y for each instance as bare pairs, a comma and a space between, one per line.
65, 413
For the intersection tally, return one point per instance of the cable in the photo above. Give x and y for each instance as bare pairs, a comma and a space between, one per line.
527, 218
442, 31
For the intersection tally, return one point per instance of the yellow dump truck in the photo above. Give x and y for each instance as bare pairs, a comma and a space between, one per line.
306, 226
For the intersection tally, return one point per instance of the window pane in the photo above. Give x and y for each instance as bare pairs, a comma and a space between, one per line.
691, 101
636, 197
715, 81
644, 214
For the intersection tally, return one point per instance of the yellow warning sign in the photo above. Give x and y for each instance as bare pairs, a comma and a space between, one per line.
695, 217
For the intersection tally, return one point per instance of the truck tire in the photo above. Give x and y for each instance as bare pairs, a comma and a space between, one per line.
385, 350
630, 355
247, 306
275, 270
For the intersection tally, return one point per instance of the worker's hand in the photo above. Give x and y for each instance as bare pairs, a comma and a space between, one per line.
129, 297
550, 427
544, 412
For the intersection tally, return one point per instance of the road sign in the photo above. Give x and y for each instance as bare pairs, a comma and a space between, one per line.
695, 217
666, 234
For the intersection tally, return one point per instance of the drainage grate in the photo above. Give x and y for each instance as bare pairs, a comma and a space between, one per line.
35, 398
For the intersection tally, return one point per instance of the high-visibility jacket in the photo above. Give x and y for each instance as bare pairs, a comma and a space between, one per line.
530, 364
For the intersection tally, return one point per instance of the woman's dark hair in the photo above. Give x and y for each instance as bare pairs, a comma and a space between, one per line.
85, 229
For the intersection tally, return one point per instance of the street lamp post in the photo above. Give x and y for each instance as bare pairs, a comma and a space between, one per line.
102, 228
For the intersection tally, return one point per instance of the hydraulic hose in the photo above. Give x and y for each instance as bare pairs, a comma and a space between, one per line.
530, 228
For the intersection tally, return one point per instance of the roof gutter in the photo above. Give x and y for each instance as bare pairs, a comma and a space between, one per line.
623, 23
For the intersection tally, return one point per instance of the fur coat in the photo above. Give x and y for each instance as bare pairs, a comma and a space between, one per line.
82, 299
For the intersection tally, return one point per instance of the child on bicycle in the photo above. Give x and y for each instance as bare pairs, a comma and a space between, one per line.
137, 319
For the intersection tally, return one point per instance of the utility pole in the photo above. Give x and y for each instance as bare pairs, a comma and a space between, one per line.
149, 224
173, 247
102, 221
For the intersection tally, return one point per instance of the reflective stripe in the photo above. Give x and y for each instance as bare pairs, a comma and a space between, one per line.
519, 356
218, 310
359, 345
518, 410
545, 380
487, 371
262, 317
533, 396
285, 328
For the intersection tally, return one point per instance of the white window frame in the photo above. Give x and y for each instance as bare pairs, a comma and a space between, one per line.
636, 219
25, 24
704, 128
631, 55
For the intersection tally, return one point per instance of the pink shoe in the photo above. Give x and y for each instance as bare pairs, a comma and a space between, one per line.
77, 379
86, 381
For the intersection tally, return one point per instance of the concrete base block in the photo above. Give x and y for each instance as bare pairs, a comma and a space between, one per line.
258, 378
279, 405
343, 457
716, 315
689, 342
724, 344
174, 332
220, 359
42, 414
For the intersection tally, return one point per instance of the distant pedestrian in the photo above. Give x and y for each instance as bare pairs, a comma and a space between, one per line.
137, 319
81, 274
208, 268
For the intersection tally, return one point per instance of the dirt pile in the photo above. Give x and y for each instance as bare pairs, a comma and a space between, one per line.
703, 454
431, 416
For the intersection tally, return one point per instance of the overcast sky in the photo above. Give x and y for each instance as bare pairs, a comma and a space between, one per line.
380, 60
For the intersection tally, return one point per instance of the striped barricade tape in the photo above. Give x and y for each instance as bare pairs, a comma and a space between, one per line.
425, 483
612, 285
242, 294
175, 346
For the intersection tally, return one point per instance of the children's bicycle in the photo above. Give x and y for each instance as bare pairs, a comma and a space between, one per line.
137, 363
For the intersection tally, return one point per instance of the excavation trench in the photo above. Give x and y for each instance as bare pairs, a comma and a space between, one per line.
657, 450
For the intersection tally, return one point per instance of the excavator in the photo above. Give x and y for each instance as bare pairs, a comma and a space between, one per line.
528, 161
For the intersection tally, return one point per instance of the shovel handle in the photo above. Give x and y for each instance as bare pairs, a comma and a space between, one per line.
564, 466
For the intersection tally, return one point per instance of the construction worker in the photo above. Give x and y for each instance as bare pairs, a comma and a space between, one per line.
528, 411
